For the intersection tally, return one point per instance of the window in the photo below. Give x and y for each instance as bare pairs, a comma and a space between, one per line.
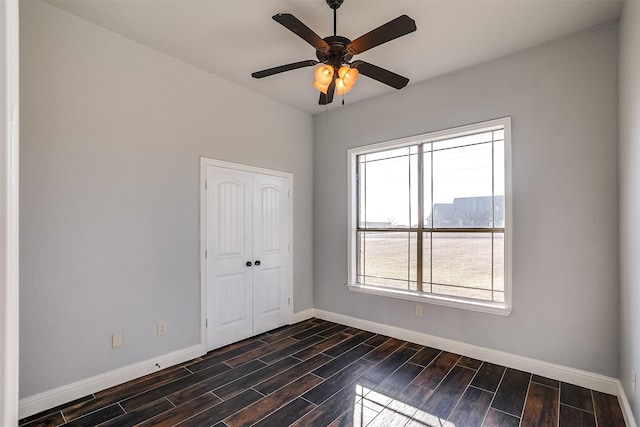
429, 218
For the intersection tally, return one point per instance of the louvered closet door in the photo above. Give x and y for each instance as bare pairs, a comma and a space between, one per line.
247, 260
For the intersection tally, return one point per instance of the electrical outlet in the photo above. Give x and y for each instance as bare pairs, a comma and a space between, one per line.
116, 340
419, 310
633, 382
162, 328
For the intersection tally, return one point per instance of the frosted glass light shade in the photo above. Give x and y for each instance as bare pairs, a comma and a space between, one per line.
349, 76
341, 87
322, 88
324, 74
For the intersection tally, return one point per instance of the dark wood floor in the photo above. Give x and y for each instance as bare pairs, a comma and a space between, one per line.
318, 373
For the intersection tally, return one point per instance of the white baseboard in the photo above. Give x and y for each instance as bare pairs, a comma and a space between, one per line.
626, 408
558, 372
57, 396
302, 315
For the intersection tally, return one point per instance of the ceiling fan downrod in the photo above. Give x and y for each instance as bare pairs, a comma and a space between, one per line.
335, 4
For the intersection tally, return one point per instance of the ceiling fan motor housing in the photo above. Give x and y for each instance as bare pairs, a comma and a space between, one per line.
338, 53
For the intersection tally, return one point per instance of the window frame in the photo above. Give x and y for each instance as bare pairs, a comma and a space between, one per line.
500, 308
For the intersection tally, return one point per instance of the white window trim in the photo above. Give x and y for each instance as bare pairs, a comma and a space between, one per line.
474, 305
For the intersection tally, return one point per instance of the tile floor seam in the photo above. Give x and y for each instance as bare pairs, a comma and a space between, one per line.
91, 412
481, 389
579, 409
593, 403
463, 393
293, 380
444, 376
524, 404
493, 398
268, 414
558, 406
170, 402
506, 413
338, 391
547, 386
308, 401
361, 376
377, 385
251, 373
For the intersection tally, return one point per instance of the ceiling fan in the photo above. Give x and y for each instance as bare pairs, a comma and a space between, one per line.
335, 52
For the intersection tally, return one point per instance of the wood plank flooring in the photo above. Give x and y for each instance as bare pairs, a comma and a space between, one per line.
318, 373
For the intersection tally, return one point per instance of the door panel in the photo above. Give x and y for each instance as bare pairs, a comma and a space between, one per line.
271, 215
270, 283
230, 208
229, 247
231, 290
270, 247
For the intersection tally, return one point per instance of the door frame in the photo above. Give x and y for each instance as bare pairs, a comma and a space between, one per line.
204, 163
9, 232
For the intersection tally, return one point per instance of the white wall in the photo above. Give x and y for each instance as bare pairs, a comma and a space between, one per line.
111, 137
629, 85
562, 98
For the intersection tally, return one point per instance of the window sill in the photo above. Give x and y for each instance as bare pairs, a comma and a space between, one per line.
491, 308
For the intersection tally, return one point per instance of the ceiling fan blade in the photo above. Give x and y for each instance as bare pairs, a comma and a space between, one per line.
304, 32
393, 29
380, 74
328, 97
282, 68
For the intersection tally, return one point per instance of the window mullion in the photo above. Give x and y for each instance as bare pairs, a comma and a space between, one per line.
493, 210
432, 219
362, 187
419, 264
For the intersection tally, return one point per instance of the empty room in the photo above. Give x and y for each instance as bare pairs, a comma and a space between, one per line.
320, 213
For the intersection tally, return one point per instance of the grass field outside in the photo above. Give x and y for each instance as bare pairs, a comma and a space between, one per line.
454, 264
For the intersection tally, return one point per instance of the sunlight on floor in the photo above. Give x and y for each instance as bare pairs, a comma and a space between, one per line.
372, 408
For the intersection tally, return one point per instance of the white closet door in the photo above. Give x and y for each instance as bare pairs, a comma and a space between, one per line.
270, 251
229, 248
248, 271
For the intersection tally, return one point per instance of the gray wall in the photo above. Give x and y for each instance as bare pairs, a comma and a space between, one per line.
111, 134
630, 199
562, 98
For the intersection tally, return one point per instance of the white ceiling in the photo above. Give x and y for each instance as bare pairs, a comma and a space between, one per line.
232, 38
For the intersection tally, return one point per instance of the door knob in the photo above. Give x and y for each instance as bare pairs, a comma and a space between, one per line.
257, 262
248, 263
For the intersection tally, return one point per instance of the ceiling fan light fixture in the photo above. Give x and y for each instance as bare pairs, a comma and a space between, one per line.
342, 87
324, 74
322, 88
348, 75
